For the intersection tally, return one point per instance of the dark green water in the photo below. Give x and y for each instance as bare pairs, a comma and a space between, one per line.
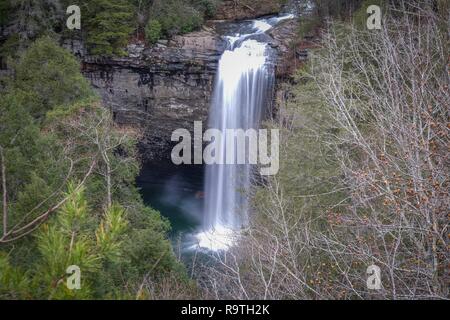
177, 193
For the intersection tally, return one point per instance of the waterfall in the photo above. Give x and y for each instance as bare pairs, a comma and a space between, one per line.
242, 90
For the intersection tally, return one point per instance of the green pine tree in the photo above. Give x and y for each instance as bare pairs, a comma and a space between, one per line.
108, 24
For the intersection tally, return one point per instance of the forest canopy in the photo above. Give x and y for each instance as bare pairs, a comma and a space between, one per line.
68, 194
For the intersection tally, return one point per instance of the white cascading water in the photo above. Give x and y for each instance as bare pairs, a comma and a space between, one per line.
243, 86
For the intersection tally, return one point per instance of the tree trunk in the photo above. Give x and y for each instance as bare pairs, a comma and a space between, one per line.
4, 192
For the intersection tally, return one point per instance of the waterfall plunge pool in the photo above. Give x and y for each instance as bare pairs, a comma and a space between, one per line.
177, 192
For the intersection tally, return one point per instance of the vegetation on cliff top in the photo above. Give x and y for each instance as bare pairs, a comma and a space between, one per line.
107, 25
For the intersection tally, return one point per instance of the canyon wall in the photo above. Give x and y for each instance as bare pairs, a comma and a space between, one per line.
169, 85
158, 89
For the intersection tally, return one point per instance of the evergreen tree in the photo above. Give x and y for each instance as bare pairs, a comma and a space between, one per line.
5, 7
109, 24
175, 16
28, 20
50, 76
53, 130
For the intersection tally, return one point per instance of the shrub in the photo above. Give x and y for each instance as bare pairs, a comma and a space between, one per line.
176, 16
153, 31
50, 75
307, 26
207, 7
108, 25
4, 12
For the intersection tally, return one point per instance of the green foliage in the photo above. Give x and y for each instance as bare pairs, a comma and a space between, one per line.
50, 76
13, 282
68, 239
29, 20
52, 128
108, 25
63, 242
5, 7
108, 245
29, 155
176, 16
140, 244
207, 7
110, 231
337, 8
307, 26
172, 17
308, 166
153, 31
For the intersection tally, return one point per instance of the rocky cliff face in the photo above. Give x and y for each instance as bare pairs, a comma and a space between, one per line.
158, 89
169, 85
281, 36
292, 51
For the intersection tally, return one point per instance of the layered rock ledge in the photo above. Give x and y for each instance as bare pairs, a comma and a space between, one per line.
158, 89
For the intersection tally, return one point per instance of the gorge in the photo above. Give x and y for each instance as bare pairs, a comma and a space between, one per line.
244, 88
223, 67
128, 147
243, 93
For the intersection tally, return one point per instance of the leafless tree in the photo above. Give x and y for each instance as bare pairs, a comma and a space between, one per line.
386, 91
